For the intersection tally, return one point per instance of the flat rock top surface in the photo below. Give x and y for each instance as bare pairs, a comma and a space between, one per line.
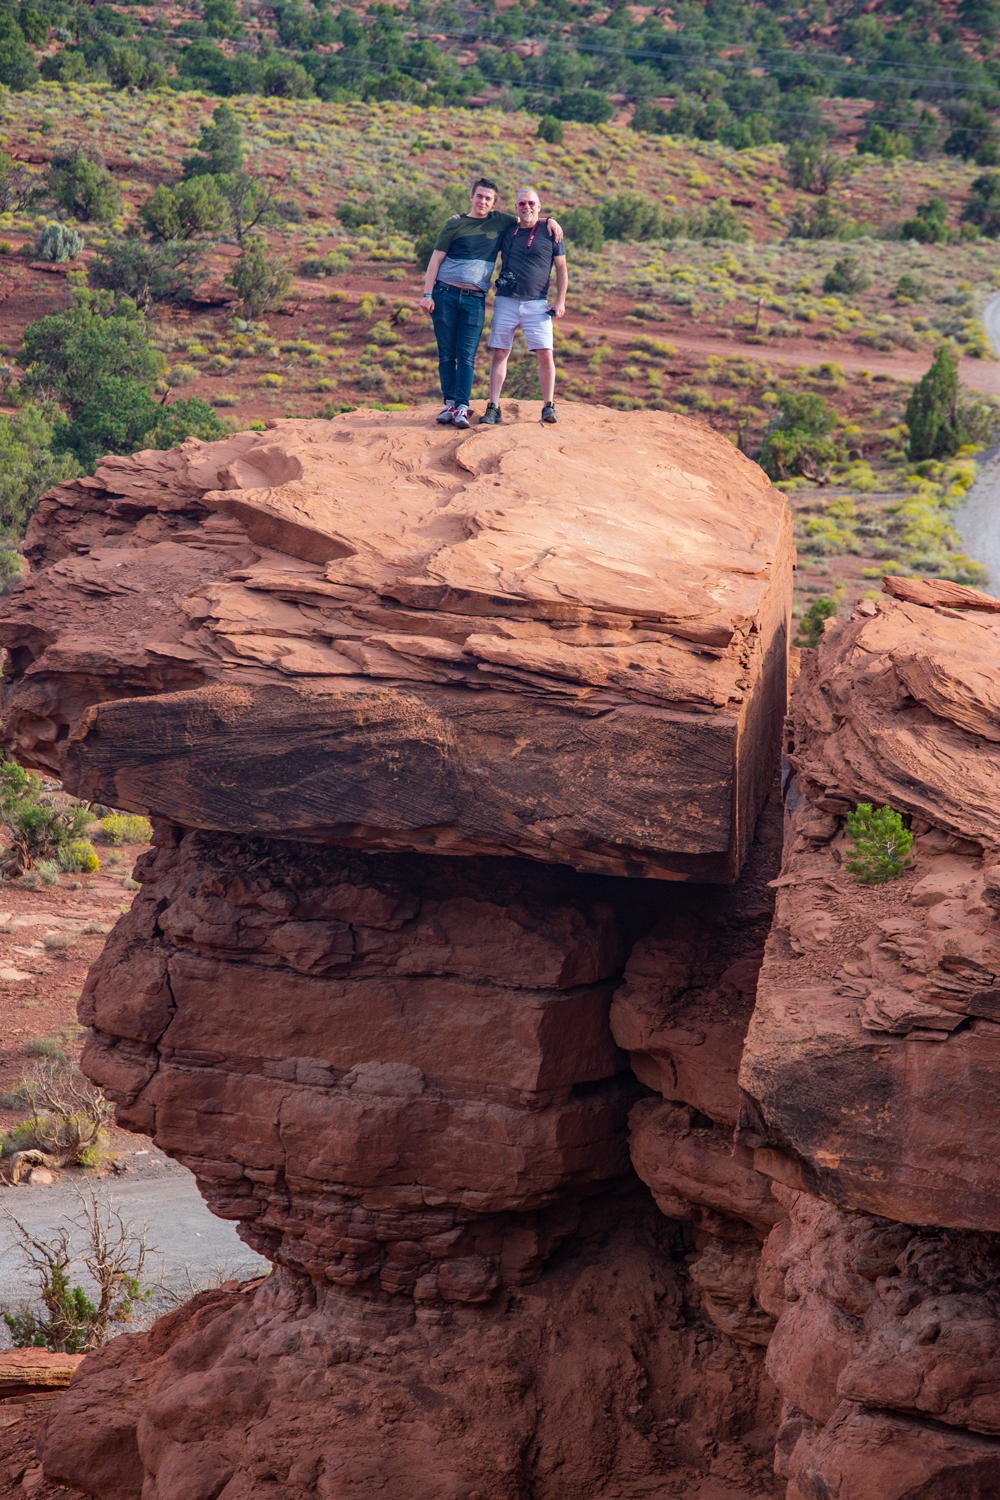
647, 518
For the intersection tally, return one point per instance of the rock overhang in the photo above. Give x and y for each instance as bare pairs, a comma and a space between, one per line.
565, 645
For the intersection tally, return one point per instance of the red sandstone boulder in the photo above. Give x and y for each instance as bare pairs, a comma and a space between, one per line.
383, 633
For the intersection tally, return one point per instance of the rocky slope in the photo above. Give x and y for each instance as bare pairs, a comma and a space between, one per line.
479, 1108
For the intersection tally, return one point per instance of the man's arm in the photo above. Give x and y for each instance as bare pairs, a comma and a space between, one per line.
555, 229
433, 267
562, 285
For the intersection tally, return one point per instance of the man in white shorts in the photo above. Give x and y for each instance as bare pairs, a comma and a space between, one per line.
522, 301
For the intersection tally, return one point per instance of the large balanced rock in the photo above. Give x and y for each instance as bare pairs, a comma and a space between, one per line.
569, 645
329, 660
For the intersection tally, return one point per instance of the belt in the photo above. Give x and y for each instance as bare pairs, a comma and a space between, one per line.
465, 291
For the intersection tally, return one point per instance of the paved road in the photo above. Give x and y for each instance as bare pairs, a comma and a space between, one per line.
190, 1247
978, 522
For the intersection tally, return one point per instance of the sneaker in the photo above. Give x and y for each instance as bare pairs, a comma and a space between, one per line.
491, 416
461, 417
549, 412
447, 414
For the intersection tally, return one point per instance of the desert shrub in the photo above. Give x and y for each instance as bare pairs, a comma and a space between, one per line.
258, 278
78, 855
880, 846
194, 209
28, 467
631, 216
220, 146
584, 228
126, 828
143, 273
68, 355
973, 134
932, 410
812, 622
811, 165
888, 144
719, 222
66, 1123
57, 243
846, 277
80, 183
928, 225
38, 826
589, 106
910, 287
334, 263
798, 440
982, 206
550, 129
65, 1318
823, 221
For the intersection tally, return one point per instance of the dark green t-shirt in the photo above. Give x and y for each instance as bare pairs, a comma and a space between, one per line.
471, 247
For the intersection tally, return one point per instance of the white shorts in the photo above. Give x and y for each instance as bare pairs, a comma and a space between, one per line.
531, 317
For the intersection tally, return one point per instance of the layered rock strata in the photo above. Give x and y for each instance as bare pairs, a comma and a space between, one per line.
869, 1070
393, 635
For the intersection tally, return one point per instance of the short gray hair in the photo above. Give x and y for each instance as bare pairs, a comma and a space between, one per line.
538, 196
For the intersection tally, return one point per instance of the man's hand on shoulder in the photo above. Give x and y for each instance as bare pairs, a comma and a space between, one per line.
555, 229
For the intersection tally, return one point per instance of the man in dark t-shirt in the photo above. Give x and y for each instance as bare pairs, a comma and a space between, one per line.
455, 287
527, 259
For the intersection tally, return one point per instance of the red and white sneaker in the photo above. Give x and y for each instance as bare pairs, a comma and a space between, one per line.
446, 415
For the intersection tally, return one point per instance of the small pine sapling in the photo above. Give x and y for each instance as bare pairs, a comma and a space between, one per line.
880, 845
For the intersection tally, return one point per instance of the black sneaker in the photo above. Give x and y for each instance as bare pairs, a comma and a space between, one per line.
461, 417
491, 416
549, 412
446, 416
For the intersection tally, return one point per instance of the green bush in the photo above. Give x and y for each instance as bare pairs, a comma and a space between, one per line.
982, 207
799, 439
130, 268
888, 144
57, 243
220, 146
932, 411
584, 228
550, 129
81, 184
880, 845
928, 226
910, 287
589, 106
811, 625
258, 278
68, 355
38, 827
28, 467
194, 209
812, 165
823, 221
126, 828
846, 277
631, 216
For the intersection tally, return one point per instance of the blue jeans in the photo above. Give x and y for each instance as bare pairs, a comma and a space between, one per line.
458, 322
